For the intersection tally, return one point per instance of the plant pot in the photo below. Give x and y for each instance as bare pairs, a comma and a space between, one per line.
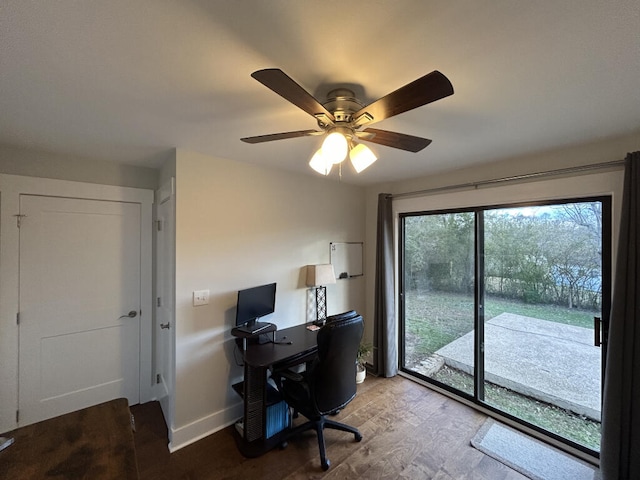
361, 373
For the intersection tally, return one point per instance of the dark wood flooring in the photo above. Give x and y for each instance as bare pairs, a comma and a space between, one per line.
409, 431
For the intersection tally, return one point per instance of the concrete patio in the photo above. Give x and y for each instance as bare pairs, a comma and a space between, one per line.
551, 362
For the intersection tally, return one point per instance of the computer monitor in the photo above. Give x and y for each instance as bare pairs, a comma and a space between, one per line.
254, 303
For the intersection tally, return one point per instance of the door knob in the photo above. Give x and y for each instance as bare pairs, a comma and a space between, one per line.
131, 314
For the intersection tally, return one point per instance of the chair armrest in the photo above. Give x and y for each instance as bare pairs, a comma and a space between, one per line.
293, 376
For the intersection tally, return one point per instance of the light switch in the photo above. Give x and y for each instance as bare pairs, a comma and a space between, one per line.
200, 297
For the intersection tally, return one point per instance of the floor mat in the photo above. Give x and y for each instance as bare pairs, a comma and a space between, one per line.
529, 456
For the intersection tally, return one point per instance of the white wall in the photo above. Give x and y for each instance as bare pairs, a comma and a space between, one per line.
238, 226
33, 163
596, 152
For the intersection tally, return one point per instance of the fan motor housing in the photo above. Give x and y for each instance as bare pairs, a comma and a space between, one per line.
342, 103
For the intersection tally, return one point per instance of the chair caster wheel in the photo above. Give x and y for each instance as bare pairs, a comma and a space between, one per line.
283, 445
325, 465
358, 437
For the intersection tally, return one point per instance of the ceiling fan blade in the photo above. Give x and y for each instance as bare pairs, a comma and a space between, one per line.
281, 136
287, 88
427, 89
393, 139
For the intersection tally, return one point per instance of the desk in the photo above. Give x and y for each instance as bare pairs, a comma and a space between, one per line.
255, 391
95, 442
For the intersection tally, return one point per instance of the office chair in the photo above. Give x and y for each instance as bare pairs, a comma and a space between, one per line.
329, 383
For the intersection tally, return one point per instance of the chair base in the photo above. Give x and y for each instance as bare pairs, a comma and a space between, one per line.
319, 425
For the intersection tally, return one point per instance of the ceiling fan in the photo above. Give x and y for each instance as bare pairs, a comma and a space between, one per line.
342, 117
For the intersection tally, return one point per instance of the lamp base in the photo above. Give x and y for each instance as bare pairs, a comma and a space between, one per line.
321, 306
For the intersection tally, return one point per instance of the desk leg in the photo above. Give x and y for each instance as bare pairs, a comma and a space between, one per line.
254, 402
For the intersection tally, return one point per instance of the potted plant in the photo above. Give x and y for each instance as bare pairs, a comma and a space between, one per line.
363, 352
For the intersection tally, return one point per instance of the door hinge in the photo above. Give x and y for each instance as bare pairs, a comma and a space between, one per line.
159, 225
19, 218
17, 416
18, 318
158, 302
158, 378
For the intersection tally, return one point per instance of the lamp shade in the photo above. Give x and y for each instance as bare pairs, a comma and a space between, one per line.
335, 147
320, 164
361, 157
318, 275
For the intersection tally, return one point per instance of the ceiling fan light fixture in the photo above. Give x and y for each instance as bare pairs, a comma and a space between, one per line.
361, 157
320, 164
335, 147
342, 116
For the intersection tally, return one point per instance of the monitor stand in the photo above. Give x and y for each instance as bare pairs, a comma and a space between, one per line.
254, 328
261, 336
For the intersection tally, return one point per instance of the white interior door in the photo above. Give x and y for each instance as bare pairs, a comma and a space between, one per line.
165, 290
80, 277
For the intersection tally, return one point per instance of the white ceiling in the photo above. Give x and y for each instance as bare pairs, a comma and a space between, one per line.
124, 80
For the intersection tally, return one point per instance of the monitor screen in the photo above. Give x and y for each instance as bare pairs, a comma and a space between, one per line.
255, 302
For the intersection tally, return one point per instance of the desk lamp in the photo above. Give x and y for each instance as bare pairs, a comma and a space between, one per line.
318, 276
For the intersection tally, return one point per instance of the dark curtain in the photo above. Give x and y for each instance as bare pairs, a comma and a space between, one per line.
620, 444
385, 354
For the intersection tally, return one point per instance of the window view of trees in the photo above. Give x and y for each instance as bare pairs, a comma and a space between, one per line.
438, 252
553, 257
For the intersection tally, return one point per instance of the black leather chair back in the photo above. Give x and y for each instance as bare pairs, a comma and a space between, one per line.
333, 375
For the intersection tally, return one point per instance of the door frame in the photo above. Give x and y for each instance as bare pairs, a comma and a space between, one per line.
165, 339
477, 395
11, 187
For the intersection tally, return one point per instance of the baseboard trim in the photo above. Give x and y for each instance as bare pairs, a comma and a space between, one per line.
203, 427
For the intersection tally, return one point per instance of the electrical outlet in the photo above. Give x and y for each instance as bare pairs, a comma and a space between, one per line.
200, 297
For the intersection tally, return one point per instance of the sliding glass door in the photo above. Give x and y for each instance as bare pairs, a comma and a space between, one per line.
498, 306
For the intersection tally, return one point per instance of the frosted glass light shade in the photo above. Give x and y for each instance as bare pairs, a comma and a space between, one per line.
320, 164
318, 275
361, 157
335, 147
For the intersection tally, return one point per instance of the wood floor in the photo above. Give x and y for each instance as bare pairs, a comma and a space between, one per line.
410, 432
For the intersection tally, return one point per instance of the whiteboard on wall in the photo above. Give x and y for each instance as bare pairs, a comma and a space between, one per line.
346, 259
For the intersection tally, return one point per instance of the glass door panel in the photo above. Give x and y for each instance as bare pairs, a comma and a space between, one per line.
543, 288
438, 298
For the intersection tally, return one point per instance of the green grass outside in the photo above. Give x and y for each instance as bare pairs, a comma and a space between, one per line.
436, 319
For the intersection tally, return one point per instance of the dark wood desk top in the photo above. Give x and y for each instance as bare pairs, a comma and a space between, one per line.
95, 442
303, 341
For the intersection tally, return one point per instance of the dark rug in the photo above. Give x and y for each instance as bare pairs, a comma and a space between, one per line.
94, 443
529, 456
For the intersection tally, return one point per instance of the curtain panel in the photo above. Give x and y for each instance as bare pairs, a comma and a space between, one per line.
385, 352
620, 441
